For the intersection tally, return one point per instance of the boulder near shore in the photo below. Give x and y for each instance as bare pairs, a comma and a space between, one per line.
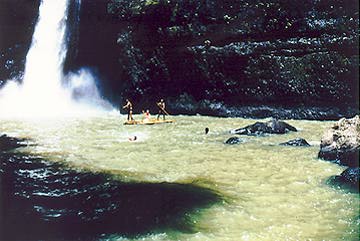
341, 143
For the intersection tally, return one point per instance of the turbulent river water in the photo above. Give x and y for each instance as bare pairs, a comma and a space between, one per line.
270, 192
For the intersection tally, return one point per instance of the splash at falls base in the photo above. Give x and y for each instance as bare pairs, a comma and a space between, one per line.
45, 91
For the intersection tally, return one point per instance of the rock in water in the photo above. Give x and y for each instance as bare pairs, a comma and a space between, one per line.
273, 126
351, 175
296, 142
341, 143
233, 140
7, 143
350, 178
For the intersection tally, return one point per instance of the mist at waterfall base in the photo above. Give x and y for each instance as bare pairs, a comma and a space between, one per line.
79, 97
45, 91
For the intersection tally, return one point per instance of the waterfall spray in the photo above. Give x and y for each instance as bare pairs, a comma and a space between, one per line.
43, 92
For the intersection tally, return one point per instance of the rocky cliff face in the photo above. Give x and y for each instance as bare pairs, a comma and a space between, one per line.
17, 21
220, 57
234, 53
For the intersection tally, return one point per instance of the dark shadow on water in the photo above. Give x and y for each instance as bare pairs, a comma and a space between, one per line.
40, 200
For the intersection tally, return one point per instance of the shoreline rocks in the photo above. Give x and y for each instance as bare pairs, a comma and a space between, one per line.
186, 105
341, 143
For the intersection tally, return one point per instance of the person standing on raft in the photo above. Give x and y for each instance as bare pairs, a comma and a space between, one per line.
162, 110
128, 106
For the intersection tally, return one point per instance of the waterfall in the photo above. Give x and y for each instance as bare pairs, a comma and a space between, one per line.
43, 91
44, 61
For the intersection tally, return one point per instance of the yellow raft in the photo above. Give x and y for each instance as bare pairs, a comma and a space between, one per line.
147, 122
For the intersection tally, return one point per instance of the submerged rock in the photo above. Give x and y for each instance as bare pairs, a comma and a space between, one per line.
65, 204
296, 142
273, 126
341, 143
349, 177
233, 140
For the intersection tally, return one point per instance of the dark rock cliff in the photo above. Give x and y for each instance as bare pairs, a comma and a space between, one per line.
230, 58
17, 21
230, 53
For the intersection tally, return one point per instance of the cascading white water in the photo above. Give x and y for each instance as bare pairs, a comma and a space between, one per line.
44, 61
42, 92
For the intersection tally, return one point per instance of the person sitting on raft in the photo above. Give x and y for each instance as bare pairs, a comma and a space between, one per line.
146, 116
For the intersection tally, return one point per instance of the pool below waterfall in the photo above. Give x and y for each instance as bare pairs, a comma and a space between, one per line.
255, 190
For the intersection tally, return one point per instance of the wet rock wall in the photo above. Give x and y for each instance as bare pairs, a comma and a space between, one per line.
227, 58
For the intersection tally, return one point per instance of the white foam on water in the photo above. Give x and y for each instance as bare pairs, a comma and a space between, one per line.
42, 92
